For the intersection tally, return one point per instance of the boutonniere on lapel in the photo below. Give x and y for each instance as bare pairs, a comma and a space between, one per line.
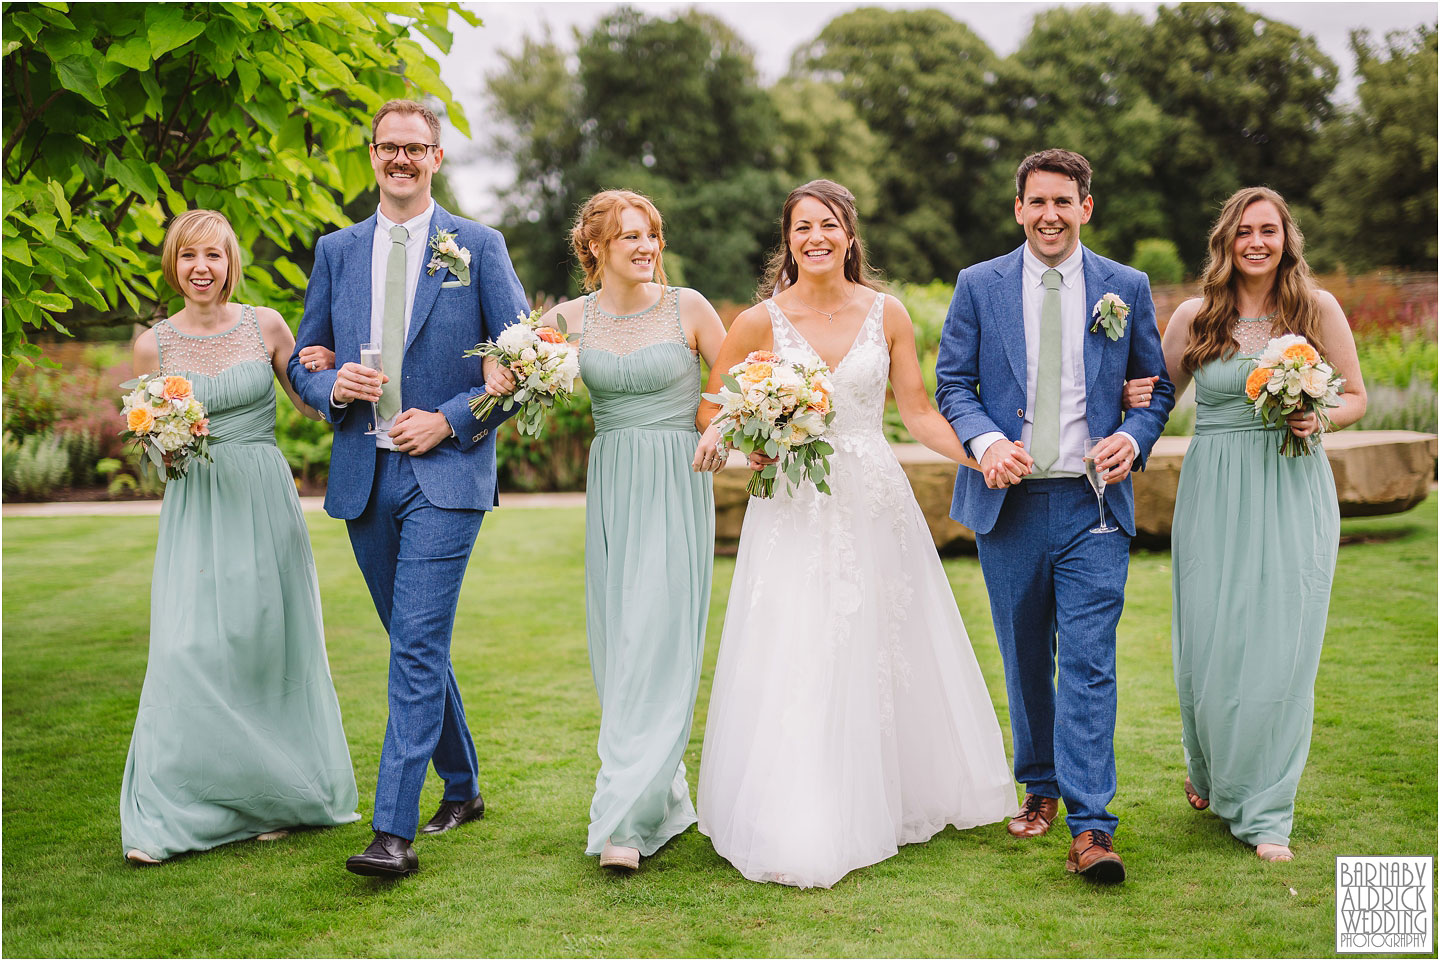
1110, 312
449, 255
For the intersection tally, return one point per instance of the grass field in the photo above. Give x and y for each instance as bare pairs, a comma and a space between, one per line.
518, 884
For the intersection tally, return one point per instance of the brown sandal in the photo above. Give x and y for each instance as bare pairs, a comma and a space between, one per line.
1196, 801
1277, 852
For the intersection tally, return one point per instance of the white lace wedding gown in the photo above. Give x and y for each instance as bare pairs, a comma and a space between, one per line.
848, 715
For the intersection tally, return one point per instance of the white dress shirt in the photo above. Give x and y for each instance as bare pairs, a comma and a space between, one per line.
415, 247
1074, 430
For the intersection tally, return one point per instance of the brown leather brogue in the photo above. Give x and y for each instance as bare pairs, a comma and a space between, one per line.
1035, 817
1092, 855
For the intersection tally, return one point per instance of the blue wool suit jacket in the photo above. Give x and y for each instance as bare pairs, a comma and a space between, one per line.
445, 321
980, 372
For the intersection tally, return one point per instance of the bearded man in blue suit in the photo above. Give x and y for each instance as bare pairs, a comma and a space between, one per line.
413, 475
1032, 362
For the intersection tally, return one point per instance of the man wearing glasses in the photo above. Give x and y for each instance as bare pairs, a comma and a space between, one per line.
412, 475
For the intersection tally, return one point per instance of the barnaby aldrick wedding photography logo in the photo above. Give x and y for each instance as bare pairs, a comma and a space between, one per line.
1384, 904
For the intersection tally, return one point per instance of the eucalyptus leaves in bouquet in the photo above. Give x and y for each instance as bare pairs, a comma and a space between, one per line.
544, 361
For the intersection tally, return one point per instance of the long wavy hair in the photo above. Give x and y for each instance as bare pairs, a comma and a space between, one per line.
1291, 301
781, 270
598, 223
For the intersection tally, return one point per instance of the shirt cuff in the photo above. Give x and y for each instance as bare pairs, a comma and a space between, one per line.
980, 444
1134, 444
335, 403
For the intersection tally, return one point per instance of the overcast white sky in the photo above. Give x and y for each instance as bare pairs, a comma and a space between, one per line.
774, 29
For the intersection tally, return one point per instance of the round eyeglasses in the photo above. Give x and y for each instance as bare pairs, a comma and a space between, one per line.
414, 151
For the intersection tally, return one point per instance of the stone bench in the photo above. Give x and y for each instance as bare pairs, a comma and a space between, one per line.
1376, 472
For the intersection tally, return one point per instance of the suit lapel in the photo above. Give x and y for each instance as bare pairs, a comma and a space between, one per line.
1097, 276
1007, 304
427, 288
357, 275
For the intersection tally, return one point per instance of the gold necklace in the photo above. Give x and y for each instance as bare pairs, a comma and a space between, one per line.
830, 315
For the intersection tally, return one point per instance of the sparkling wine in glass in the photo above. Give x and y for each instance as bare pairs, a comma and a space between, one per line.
1097, 483
370, 357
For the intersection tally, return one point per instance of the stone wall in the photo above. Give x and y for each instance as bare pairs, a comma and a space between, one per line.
1376, 472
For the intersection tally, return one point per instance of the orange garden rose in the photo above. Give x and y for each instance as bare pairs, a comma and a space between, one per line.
1301, 353
782, 408
757, 372
140, 420
1290, 377
178, 388
545, 365
1256, 382
166, 423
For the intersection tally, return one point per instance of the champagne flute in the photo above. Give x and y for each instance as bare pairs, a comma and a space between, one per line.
370, 357
1097, 483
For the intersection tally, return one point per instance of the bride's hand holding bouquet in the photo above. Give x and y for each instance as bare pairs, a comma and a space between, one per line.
777, 411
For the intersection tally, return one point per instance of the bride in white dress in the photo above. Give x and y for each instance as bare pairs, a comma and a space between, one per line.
848, 714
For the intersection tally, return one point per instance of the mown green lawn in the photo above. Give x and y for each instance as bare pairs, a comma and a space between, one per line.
75, 636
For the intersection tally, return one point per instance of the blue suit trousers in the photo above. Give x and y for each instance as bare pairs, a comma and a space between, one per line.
413, 555
1056, 595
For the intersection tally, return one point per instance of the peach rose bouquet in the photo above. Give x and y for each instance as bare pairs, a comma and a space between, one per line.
166, 423
782, 409
544, 362
1291, 377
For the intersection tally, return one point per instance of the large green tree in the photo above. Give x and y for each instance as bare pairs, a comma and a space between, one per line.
926, 85
671, 107
118, 116
1077, 82
1378, 202
1244, 99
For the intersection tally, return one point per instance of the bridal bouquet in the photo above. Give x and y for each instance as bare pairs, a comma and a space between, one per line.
165, 421
543, 361
1290, 376
780, 408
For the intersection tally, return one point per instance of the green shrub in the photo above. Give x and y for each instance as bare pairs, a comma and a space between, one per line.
35, 467
1399, 408
77, 407
554, 461
1160, 260
304, 442
1398, 357
83, 445
927, 305
1181, 422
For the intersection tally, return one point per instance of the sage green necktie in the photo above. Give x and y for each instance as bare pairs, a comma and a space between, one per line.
1045, 428
392, 329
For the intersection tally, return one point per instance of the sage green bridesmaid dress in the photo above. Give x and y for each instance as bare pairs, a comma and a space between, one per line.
649, 549
1254, 544
238, 731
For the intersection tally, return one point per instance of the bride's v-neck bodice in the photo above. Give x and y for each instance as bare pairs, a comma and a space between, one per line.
859, 380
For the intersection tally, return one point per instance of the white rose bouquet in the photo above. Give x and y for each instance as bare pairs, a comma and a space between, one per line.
165, 421
781, 409
543, 360
1290, 376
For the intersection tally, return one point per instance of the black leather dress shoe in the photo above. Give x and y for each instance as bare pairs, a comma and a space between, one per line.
452, 814
388, 856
